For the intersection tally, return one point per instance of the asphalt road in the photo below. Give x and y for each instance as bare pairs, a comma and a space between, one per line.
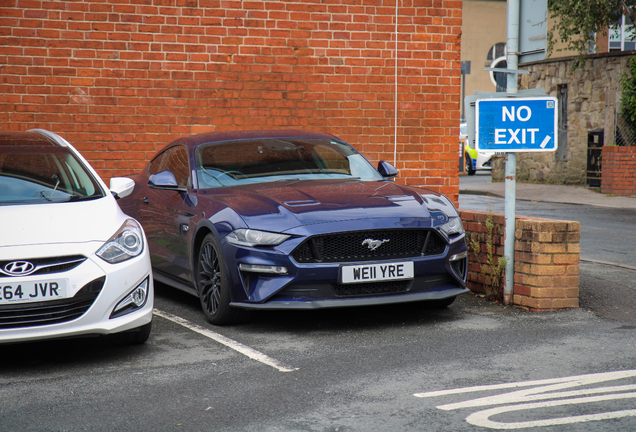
474, 366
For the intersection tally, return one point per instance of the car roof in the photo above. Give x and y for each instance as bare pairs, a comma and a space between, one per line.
25, 138
221, 136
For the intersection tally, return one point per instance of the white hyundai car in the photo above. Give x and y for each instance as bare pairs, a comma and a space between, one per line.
72, 263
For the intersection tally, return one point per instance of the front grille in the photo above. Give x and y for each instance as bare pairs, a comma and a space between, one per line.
351, 247
373, 288
50, 312
48, 265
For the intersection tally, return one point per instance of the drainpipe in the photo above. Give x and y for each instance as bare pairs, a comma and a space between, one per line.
396, 85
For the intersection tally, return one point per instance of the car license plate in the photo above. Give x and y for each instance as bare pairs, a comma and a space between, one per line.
377, 272
24, 292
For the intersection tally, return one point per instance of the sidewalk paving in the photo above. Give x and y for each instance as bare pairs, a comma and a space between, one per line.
565, 194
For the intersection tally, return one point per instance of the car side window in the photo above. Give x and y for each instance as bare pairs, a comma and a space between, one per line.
174, 159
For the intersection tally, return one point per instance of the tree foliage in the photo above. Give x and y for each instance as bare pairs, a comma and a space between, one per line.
628, 90
576, 21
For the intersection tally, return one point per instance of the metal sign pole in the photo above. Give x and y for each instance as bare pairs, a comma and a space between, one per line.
511, 158
512, 123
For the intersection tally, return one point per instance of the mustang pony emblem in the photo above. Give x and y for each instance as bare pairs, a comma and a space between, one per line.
374, 244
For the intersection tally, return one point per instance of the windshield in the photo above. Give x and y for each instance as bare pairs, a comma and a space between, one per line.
43, 174
266, 160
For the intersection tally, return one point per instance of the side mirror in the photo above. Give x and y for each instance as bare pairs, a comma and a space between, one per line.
121, 187
387, 170
165, 180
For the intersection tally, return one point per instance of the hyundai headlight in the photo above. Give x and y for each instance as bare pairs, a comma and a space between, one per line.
453, 226
250, 237
126, 243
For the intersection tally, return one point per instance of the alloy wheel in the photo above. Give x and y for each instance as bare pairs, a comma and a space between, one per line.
210, 279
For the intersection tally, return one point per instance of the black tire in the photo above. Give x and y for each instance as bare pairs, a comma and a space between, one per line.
136, 336
469, 165
212, 285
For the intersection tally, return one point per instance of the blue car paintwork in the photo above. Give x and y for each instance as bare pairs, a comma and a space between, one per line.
271, 207
176, 220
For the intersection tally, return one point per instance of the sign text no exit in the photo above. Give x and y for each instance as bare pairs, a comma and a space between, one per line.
516, 125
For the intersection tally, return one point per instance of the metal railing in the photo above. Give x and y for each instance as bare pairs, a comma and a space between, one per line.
625, 134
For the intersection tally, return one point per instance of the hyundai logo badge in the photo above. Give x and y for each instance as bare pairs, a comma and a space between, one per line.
19, 268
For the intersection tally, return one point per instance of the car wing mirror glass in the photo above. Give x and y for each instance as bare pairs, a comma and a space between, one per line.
387, 170
121, 187
165, 180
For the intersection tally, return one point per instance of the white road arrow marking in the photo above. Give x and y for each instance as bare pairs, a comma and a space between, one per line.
482, 418
544, 394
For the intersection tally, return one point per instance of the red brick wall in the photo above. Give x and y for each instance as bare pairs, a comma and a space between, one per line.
121, 78
618, 175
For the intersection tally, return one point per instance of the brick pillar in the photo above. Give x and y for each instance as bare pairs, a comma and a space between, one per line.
546, 259
546, 264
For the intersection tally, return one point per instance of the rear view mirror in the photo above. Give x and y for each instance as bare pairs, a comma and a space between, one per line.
121, 186
165, 180
387, 170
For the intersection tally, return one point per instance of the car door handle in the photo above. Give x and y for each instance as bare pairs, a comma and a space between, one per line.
145, 200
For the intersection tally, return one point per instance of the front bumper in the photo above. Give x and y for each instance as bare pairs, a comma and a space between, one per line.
479, 160
318, 285
350, 302
118, 281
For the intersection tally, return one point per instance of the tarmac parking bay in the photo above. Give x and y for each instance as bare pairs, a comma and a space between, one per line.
347, 370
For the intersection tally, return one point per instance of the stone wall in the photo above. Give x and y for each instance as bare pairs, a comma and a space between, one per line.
546, 259
592, 94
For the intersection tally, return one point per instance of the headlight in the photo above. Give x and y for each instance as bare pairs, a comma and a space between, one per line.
453, 226
126, 243
249, 237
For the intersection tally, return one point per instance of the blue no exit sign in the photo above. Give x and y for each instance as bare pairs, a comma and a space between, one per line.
516, 125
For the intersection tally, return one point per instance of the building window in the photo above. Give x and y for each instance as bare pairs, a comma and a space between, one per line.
621, 35
496, 51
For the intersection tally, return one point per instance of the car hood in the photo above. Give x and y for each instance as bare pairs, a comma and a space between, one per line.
69, 222
279, 206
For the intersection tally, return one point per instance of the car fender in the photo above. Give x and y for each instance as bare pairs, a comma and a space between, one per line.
220, 224
471, 152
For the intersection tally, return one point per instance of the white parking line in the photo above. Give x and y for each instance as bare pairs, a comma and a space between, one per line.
237, 346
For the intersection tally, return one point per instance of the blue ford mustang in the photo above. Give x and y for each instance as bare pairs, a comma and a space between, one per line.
292, 219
